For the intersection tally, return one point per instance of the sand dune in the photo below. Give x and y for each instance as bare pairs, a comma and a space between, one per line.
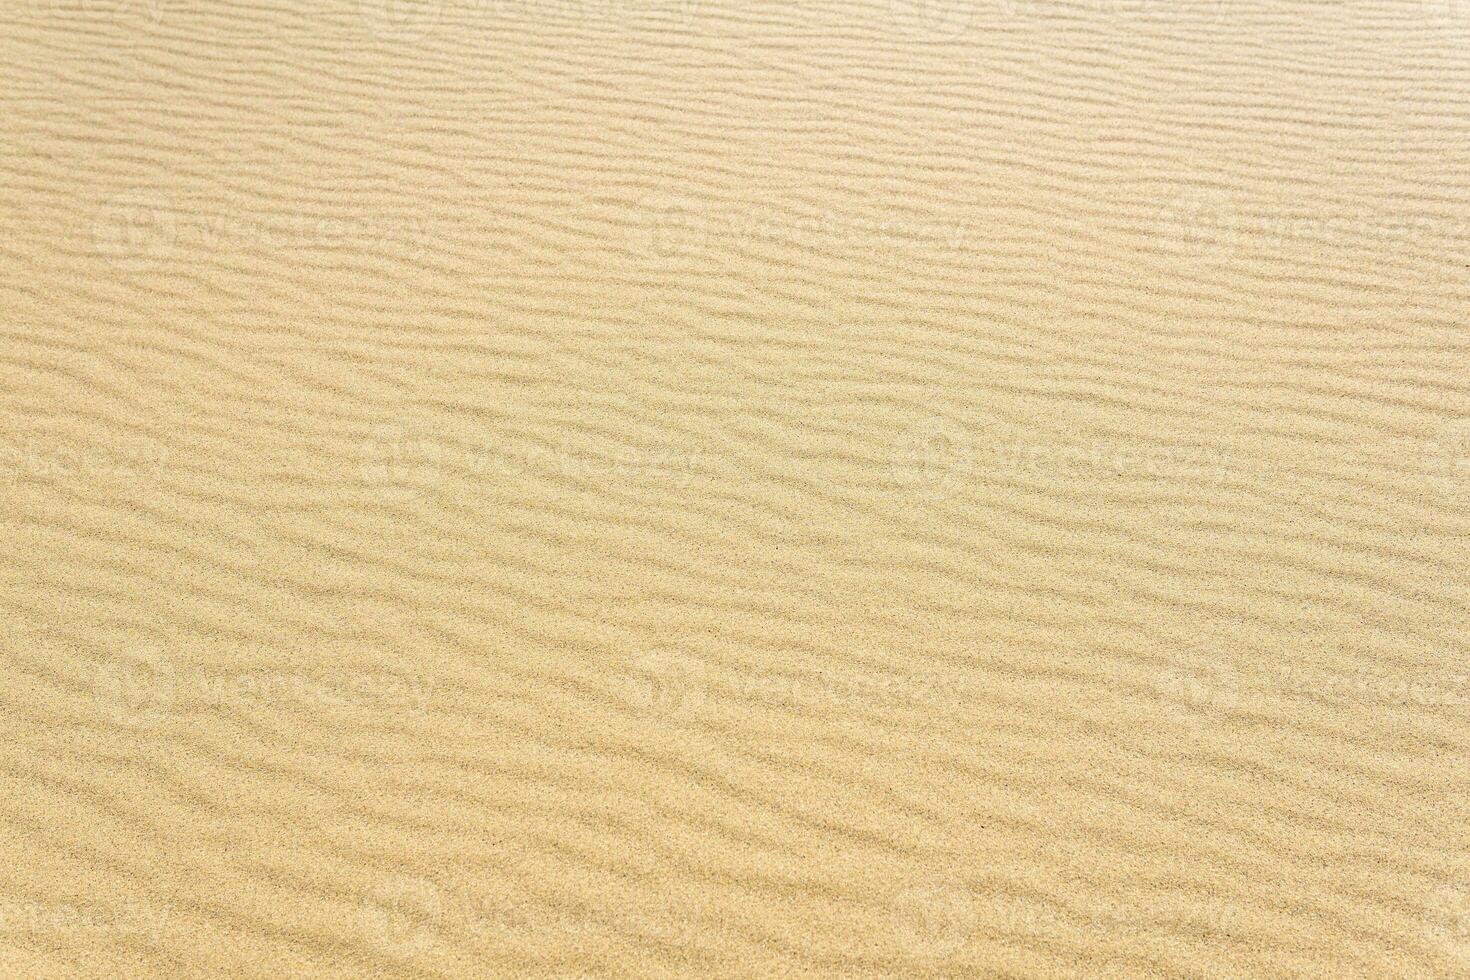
655, 487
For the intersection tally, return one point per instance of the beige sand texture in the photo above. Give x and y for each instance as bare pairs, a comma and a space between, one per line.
673, 488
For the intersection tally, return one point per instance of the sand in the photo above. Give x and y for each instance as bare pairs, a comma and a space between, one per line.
667, 488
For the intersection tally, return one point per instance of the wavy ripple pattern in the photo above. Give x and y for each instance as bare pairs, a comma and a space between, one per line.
649, 487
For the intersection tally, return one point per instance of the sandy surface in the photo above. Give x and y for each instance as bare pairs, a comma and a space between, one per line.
658, 487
